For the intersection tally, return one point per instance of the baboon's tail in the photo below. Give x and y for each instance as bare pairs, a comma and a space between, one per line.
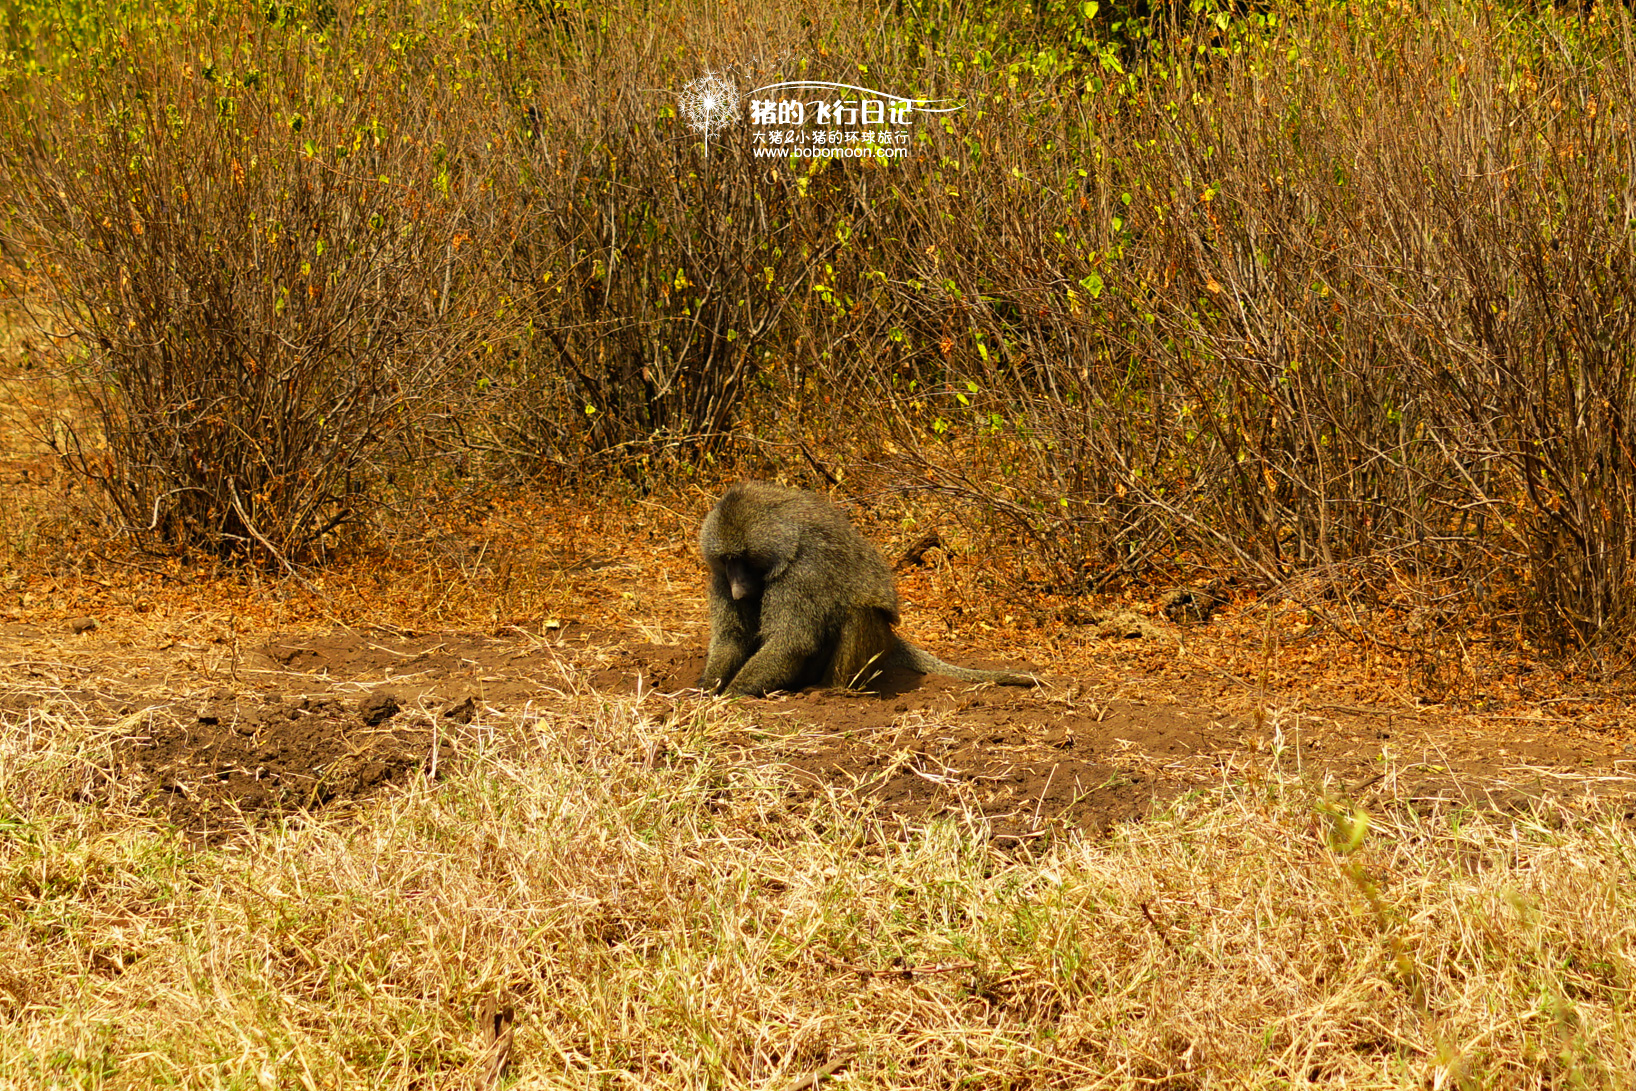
924, 662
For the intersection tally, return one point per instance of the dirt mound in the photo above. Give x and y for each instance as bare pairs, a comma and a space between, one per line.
412, 665
234, 760
1025, 770
916, 746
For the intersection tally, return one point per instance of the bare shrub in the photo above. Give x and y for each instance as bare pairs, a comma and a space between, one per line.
655, 258
265, 266
1413, 281
1320, 286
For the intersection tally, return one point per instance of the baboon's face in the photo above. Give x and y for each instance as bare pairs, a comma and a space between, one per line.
743, 577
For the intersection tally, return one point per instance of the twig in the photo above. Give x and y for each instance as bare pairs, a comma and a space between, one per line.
238, 506
161, 573
823, 471
898, 971
1164, 933
495, 1025
811, 1078
1036, 823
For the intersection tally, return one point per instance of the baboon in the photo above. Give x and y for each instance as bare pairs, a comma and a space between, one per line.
798, 597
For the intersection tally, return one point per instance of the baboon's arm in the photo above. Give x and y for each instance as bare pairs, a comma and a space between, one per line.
777, 664
731, 643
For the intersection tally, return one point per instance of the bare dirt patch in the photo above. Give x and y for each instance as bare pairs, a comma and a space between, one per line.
322, 720
1033, 762
238, 760
314, 720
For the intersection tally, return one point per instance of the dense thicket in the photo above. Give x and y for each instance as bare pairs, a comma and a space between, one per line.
1345, 286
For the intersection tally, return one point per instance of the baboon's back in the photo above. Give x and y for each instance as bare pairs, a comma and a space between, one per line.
828, 560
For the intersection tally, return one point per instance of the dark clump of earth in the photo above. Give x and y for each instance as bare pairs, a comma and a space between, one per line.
237, 760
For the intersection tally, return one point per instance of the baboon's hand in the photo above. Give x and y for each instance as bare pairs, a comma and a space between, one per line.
720, 668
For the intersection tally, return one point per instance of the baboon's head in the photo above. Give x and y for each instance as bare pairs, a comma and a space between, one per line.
745, 543
729, 559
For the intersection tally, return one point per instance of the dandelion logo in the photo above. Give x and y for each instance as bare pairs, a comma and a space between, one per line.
710, 104
808, 118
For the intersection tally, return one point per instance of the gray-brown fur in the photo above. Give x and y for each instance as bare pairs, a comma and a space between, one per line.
798, 597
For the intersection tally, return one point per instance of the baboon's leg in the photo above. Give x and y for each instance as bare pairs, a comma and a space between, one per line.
861, 652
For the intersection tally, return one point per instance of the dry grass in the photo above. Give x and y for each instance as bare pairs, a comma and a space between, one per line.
658, 914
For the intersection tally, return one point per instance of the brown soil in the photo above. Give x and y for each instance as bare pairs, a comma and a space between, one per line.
239, 759
317, 720
1031, 762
